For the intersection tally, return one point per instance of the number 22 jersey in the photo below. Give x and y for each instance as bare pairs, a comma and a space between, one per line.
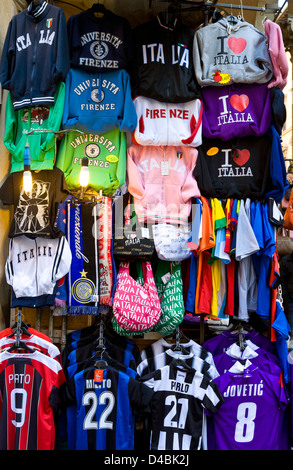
106, 400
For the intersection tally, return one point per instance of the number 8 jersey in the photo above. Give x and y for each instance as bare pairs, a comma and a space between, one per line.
252, 413
177, 407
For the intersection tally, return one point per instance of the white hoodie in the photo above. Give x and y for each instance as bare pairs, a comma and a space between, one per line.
161, 123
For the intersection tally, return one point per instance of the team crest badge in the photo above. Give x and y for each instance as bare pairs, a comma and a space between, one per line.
49, 22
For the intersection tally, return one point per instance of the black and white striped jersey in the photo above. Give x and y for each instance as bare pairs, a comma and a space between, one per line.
177, 407
161, 346
151, 364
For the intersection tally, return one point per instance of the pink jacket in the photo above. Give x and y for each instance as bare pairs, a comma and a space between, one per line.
277, 53
162, 194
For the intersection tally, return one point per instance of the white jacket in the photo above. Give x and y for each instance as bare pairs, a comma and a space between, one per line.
33, 266
161, 123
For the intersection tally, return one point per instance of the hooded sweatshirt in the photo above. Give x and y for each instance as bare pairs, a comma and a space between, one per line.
236, 110
163, 62
35, 55
42, 144
98, 103
277, 53
106, 155
161, 182
99, 42
168, 123
249, 167
225, 54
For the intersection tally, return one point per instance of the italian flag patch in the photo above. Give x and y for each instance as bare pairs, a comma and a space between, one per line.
49, 22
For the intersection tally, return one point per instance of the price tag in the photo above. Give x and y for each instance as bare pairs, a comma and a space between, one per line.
145, 233
98, 377
166, 278
165, 168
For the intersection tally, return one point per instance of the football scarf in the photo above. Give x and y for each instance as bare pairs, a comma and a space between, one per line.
104, 228
83, 277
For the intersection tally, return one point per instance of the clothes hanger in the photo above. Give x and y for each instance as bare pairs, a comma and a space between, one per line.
180, 364
20, 346
98, 8
232, 19
19, 329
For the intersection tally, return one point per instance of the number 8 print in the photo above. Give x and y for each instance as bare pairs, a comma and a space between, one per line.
244, 430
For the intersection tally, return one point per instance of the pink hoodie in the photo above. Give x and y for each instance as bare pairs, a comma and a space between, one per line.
160, 197
277, 53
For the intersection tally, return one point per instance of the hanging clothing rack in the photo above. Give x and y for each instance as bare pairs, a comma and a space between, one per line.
204, 5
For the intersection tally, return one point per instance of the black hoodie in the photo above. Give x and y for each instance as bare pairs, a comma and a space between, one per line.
249, 167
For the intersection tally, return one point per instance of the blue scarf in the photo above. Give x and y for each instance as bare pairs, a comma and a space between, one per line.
83, 277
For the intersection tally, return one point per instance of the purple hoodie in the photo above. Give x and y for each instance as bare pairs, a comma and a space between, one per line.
236, 110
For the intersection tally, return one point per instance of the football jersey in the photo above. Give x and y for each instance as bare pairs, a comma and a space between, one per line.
32, 331
250, 417
162, 345
124, 356
105, 401
76, 342
160, 360
177, 407
219, 343
233, 354
29, 386
35, 342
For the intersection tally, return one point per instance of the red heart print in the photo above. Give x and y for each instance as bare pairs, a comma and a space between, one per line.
239, 102
237, 45
240, 157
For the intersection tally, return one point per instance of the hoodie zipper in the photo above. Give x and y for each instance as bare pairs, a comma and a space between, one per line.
33, 62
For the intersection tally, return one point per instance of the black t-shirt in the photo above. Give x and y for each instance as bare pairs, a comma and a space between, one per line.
35, 212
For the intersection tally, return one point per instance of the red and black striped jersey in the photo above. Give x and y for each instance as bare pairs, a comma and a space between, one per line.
29, 384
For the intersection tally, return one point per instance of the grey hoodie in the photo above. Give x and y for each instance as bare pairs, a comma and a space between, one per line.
224, 54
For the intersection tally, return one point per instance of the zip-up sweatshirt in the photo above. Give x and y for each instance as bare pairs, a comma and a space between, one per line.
33, 266
99, 43
42, 145
224, 54
106, 155
35, 55
168, 123
163, 62
98, 102
161, 182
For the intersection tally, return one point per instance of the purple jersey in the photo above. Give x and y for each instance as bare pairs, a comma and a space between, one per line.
218, 344
225, 361
253, 408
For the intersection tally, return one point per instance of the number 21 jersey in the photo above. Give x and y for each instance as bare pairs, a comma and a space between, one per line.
177, 407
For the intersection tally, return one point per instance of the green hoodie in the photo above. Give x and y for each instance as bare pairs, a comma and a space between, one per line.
106, 155
42, 145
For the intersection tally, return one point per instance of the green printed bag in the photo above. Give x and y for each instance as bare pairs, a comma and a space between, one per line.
169, 285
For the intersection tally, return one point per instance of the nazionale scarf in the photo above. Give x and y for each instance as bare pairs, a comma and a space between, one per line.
83, 277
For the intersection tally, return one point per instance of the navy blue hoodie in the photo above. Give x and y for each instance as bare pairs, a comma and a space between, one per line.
35, 56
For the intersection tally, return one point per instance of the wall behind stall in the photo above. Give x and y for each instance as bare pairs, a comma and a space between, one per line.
8, 9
